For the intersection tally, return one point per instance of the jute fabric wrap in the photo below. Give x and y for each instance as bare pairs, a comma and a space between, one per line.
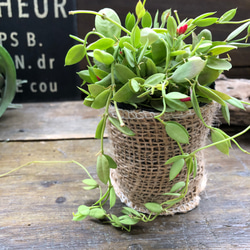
141, 175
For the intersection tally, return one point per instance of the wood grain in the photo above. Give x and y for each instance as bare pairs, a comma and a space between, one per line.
37, 202
49, 121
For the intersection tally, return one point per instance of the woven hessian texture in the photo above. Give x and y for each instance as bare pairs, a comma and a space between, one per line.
141, 175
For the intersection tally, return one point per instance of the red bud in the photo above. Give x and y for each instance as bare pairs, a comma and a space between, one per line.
182, 29
187, 99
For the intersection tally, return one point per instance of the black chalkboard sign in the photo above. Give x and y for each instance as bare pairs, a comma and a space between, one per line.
36, 34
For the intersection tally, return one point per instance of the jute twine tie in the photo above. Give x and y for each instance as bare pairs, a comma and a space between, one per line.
141, 175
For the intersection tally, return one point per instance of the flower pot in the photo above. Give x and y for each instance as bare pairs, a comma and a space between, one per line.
142, 175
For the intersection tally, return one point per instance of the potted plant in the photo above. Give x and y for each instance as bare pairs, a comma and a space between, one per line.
8, 81
154, 82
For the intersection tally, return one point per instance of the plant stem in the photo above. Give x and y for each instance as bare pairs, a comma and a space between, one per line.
222, 141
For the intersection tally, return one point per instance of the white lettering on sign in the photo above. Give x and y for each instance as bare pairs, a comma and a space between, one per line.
6, 4
41, 62
60, 6
14, 42
24, 8
21, 5
19, 62
45, 9
31, 39
43, 87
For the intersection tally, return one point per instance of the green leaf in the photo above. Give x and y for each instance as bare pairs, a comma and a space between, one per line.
79, 217
102, 44
178, 52
221, 49
142, 53
177, 186
136, 36
134, 85
218, 64
112, 198
206, 33
85, 75
105, 82
195, 102
171, 26
188, 70
146, 21
222, 95
88, 101
150, 67
124, 93
226, 114
129, 46
100, 73
175, 95
112, 163
126, 220
202, 16
176, 158
153, 207
140, 10
159, 51
123, 73
130, 21
177, 132
129, 57
190, 165
107, 28
99, 129
208, 76
236, 32
102, 168
124, 39
154, 80
205, 22
83, 210
101, 100
97, 213
208, 93
130, 211
236, 103
95, 89
116, 222
216, 136
75, 54
91, 184
125, 130
148, 36
176, 169
83, 90
227, 16
176, 104
103, 57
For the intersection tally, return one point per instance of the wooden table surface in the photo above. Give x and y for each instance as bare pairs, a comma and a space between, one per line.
37, 201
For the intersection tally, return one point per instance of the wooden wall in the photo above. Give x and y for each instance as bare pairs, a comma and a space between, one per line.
187, 8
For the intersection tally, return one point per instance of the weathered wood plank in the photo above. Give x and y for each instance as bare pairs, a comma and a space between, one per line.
36, 203
45, 121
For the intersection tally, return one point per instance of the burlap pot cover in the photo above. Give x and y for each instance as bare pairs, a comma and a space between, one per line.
141, 175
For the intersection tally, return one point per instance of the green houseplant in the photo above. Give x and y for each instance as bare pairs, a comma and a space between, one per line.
150, 65
8, 81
